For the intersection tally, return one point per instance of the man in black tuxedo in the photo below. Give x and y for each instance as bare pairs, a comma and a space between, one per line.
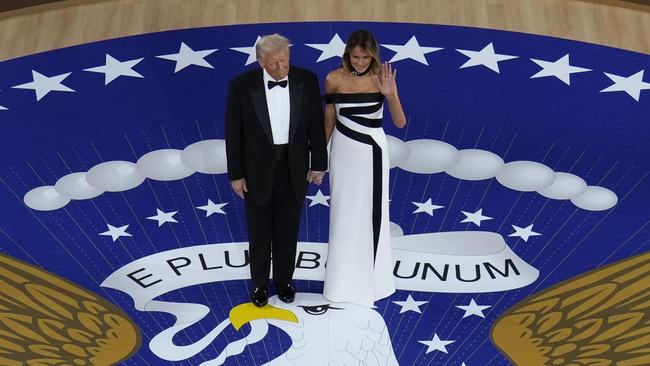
274, 120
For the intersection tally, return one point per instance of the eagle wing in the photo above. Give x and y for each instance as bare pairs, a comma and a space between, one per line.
47, 320
599, 318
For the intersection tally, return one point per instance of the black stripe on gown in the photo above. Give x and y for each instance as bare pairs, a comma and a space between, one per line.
377, 178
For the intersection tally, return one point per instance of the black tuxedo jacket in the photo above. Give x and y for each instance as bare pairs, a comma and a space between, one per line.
249, 142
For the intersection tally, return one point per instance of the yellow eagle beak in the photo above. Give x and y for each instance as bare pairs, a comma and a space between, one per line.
244, 313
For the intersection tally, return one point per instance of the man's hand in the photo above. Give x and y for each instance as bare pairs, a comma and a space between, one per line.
315, 177
239, 186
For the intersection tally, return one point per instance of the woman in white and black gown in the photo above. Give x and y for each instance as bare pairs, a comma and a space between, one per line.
359, 264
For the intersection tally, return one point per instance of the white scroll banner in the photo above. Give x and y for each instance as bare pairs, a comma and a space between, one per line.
451, 262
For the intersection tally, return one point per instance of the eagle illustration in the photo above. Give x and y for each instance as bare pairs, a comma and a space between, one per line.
321, 332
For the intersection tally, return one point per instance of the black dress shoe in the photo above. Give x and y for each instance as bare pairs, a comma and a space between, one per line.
286, 292
259, 296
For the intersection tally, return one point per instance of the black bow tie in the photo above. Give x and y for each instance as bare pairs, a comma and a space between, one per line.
282, 84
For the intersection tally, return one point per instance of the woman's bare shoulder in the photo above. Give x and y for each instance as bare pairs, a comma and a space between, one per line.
335, 75
335, 79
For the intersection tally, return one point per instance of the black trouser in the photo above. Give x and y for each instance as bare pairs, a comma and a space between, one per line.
273, 231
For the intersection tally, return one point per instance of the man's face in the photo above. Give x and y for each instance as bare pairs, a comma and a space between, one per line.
276, 63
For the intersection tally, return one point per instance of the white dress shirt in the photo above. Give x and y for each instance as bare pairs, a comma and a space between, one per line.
277, 101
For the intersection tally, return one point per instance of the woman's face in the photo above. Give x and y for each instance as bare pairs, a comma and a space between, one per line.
360, 59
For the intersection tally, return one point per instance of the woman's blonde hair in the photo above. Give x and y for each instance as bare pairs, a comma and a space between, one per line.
366, 41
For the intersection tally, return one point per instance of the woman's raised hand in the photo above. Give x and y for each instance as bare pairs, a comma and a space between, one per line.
387, 85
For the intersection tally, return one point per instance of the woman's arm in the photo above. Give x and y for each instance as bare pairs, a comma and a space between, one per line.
396, 111
388, 87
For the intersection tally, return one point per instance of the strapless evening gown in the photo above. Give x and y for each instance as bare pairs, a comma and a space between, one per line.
359, 264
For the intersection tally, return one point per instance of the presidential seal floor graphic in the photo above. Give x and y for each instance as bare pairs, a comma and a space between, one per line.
518, 206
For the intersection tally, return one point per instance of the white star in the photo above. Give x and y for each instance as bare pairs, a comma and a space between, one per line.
524, 233
212, 207
475, 217
473, 309
485, 57
561, 69
3, 108
412, 50
250, 51
187, 56
113, 69
319, 199
163, 217
632, 85
436, 344
334, 48
410, 305
426, 207
42, 84
116, 232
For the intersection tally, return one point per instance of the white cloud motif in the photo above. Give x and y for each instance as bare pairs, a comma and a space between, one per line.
430, 156
475, 164
596, 199
526, 176
564, 187
398, 152
115, 176
45, 198
163, 165
207, 156
421, 156
75, 186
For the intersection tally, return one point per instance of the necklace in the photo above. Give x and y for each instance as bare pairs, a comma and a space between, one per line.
356, 73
